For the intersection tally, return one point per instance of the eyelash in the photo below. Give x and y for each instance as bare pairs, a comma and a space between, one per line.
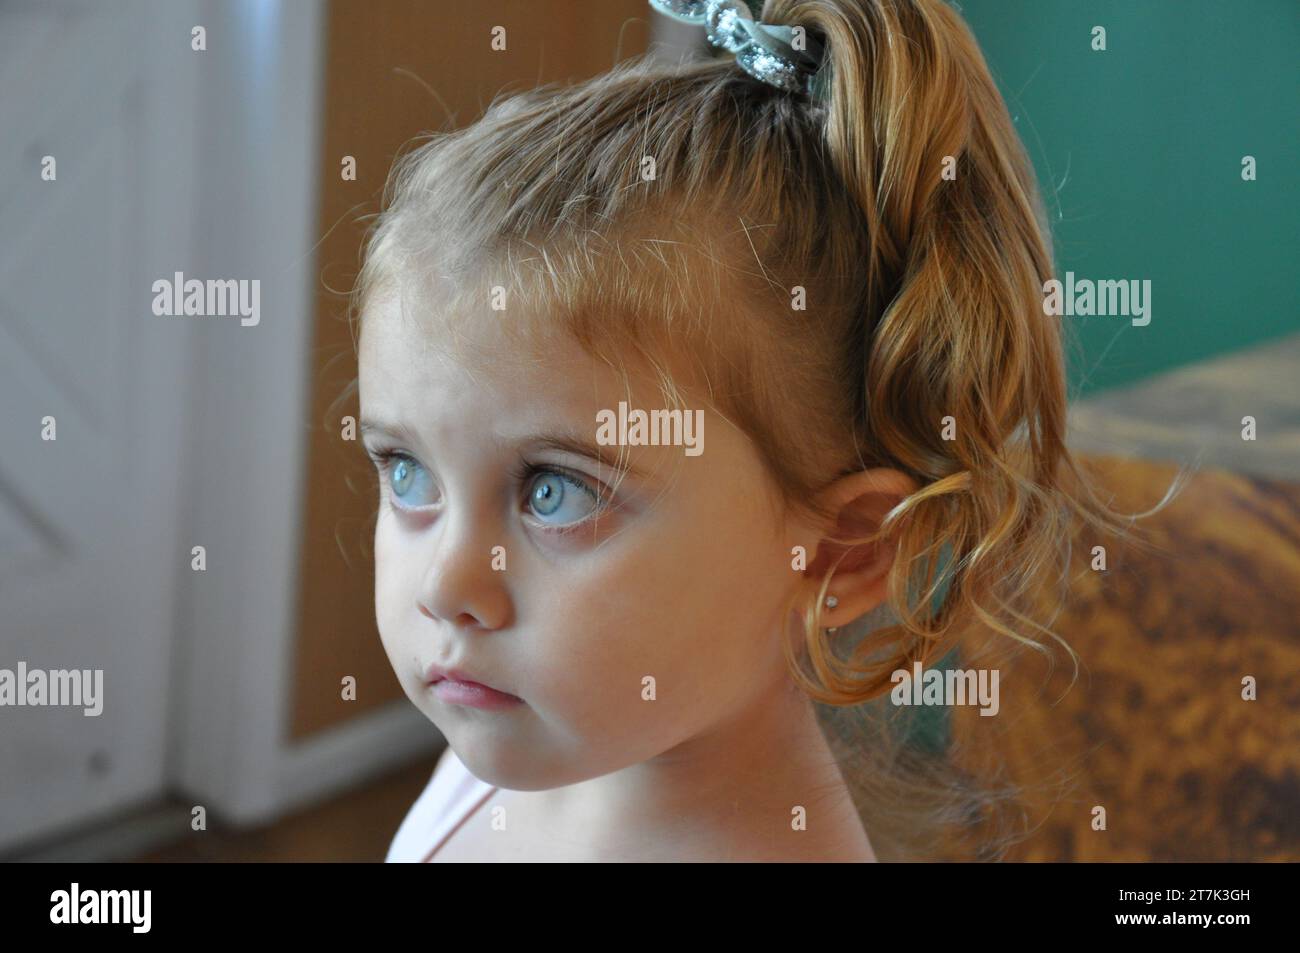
523, 473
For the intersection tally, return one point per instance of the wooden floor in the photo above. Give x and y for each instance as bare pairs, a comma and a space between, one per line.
357, 826
1156, 730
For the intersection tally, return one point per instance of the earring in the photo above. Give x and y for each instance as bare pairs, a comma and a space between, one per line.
831, 602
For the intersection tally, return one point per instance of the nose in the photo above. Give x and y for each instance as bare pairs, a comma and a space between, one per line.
460, 585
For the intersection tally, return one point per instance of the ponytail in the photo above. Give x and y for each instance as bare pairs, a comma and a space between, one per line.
962, 386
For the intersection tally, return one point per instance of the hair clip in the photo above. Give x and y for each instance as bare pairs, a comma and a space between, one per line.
765, 51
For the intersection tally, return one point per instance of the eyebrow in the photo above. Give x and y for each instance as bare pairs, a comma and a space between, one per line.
562, 441
400, 431
579, 446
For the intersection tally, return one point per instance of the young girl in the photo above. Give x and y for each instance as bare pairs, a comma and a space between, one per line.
680, 382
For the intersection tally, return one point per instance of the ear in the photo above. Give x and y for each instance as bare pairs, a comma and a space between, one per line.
860, 501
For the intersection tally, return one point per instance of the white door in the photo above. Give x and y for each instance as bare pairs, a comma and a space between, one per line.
89, 554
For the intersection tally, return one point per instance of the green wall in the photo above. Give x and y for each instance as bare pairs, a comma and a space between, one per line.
1138, 150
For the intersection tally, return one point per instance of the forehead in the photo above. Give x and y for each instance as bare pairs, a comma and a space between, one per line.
416, 363
464, 382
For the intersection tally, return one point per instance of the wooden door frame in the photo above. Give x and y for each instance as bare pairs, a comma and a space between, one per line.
248, 449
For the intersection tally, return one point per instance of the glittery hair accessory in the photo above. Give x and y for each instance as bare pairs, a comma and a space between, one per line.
777, 55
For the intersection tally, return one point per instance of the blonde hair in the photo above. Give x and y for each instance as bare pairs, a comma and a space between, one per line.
665, 214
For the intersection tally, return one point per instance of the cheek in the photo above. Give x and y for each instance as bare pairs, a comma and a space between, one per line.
585, 655
626, 617
394, 588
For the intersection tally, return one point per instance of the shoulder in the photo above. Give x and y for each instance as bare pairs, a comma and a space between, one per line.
450, 790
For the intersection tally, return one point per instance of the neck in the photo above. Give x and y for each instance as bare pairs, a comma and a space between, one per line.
728, 793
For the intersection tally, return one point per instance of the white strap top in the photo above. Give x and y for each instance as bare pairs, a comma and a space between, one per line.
451, 795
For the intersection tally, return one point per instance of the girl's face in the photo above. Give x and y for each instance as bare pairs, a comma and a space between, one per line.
497, 552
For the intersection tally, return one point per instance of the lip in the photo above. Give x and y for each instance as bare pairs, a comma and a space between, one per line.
456, 686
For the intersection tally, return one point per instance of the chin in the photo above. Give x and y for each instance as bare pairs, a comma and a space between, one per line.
505, 767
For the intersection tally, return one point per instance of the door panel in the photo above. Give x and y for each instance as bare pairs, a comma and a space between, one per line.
88, 558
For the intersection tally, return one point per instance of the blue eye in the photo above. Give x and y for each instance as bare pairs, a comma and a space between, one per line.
555, 496
554, 493
405, 474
